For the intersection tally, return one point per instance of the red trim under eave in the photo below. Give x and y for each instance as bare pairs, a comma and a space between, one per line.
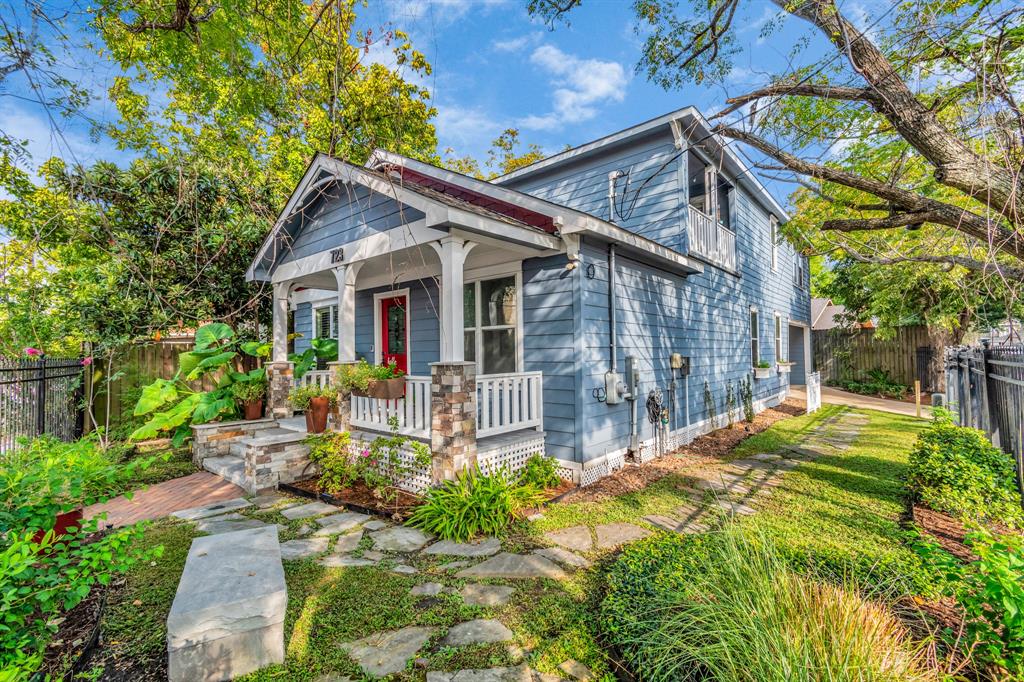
532, 218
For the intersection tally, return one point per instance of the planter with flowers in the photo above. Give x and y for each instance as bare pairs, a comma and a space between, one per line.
316, 401
763, 370
384, 382
251, 394
785, 367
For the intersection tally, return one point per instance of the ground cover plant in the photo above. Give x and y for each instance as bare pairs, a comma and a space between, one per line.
729, 607
957, 470
877, 382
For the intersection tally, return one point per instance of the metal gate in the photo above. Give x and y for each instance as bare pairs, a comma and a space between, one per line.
40, 396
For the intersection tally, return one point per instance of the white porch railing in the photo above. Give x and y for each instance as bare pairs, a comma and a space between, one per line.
813, 392
508, 402
712, 240
505, 402
318, 377
413, 411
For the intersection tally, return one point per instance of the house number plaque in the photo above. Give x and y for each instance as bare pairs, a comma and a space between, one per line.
337, 256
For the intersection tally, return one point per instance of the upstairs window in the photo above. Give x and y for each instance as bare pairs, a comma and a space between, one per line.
698, 183
800, 276
773, 235
724, 196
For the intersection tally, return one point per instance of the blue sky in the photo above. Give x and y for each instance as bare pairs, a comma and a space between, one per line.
494, 67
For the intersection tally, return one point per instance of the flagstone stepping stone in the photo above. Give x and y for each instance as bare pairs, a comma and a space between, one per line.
339, 523
304, 511
668, 523
347, 542
563, 556
518, 673
227, 524
766, 457
386, 653
375, 556
507, 565
452, 565
344, 561
486, 595
712, 484
576, 670
332, 677
196, 513
404, 569
303, 547
427, 590
735, 507
478, 631
755, 464
400, 539
376, 524
577, 538
611, 535
481, 548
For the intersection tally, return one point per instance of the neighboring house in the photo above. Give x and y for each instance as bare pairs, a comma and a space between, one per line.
827, 315
564, 283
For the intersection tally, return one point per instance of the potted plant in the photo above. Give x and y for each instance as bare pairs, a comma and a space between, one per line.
316, 402
785, 366
385, 382
251, 394
762, 370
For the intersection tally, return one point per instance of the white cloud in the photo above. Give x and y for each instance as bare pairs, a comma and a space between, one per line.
439, 11
517, 44
582, 85
466, 130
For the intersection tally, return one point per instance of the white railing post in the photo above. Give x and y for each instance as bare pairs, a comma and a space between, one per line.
412, 410
509, 402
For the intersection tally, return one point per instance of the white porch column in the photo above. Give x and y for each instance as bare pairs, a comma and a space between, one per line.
346, 278
453, 252
280, 327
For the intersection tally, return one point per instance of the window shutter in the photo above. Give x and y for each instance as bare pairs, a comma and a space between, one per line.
323, 323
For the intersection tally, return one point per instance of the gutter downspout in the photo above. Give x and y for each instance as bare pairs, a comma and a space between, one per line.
612, 340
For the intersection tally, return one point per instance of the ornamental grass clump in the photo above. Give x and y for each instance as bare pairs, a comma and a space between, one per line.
740, 613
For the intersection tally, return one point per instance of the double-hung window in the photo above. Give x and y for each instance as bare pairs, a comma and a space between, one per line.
755, 339
780, 355
773, 235
491, 320
325, 322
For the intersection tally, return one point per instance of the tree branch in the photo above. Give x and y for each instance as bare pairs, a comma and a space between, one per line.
185, 20
962, 261
784, 89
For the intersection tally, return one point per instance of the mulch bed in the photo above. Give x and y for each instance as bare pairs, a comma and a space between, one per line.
704, 449
77, 633
945, 530
359, 496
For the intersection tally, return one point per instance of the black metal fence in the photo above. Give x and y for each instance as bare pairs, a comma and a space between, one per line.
985, 385
40, 396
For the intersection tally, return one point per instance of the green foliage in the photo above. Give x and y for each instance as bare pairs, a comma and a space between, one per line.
249, 391
300, 397
957, 470
878, 382
40, 580
747, 398
173, 405
540, 472
378, 464
473, 504
730, 404
319, 351
709, 405
991, 591
359, 375
731, 609
763, 364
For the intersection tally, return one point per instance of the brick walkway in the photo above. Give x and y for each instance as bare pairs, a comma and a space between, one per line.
162, 499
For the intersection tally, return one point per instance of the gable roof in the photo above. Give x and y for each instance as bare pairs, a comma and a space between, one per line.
686, 123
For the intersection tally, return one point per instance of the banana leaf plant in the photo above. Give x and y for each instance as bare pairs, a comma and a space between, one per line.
173, 406
320, 350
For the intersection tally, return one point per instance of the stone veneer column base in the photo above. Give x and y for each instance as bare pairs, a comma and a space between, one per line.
453, 418
280, 382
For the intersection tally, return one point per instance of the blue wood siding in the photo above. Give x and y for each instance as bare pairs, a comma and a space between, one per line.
303, 324
549, 346
344, 214
425, 328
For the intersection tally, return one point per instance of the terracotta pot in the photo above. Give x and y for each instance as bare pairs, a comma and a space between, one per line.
254, 409
65, 521
387, 389
316, 415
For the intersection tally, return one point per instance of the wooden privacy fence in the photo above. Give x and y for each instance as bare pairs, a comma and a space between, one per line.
40, 396
849, 354
985, 387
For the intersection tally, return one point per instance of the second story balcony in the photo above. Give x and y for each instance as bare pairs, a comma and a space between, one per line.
711, 240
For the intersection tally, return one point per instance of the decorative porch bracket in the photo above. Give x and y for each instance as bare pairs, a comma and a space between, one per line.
453, 418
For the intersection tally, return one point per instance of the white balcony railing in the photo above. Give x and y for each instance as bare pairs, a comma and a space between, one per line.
508, 402
505, 402
711, 240
318, 377
412, 411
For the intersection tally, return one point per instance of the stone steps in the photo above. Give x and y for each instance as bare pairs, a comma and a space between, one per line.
230, 468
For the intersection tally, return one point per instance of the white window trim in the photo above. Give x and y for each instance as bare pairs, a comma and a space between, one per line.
755, 335
316, 320
497, 272
378, 342
773, 237
780, 337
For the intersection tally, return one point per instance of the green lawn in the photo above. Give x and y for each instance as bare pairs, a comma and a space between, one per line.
829, 511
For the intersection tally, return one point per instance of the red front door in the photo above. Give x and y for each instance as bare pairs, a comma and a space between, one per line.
394, 337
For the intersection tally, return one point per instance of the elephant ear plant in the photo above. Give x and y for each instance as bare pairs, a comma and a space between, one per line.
173, 405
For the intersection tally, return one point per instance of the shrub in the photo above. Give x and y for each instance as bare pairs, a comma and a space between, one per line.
474, 503
730, 608
991, 591
957, 470
878, 382
540, 472
41, 580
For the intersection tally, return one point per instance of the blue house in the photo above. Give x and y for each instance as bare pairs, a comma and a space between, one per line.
610, 302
